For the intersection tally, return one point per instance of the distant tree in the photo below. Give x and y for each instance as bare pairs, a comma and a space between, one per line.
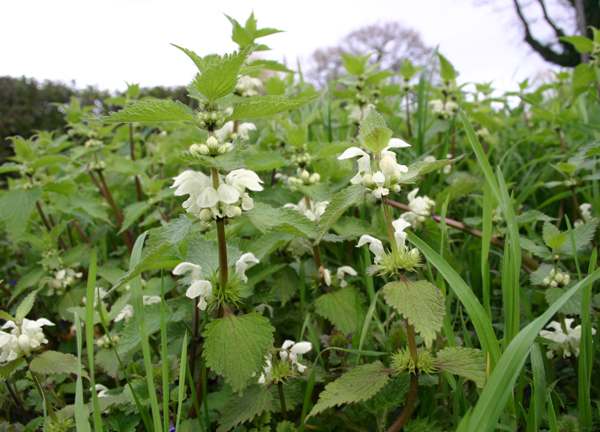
389, 43
545, 22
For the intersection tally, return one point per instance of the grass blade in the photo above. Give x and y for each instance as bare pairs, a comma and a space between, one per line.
81, 411
89, 337
164, 354
181, 385
500, 384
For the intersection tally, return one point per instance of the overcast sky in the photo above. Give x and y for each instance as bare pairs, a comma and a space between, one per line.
107, 43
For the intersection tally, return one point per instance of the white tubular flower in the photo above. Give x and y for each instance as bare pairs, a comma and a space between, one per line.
326, 276
399, 235
429, 159
265, 376
150, 300
563, 342
379, 190
375, 246
248, 86
396, 143
290, 351
313, 210
198, 287
586, 211
421, 208
244, 130
342, 272
101, 391
246, 261
23, 338
224, 134
364, 162
443, 109
243, 179
228, 199
125, 314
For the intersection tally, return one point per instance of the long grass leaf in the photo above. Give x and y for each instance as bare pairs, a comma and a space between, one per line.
89, 338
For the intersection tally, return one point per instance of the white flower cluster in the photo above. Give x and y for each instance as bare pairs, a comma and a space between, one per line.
248, 86
313, 210
556, 278
222, 140
443, 109
376, 246
105, 341
126, 313
387, 174
586, 211
421, 208
561, 341
302, 177
289, 352
228, 199
228, 131
63, 279
24, 337
340, 274
202, 288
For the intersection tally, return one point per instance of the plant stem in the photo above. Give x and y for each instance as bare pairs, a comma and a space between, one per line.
40, 390
223, 266
409, 406
282, 400
387, 216
138, 184
408, 122
48, 224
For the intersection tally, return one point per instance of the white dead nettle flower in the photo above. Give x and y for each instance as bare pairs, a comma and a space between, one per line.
429, 159
101, 391
444, 109
376, 246
266, 375
357, 113
23, 338
290, 351
63, 279
389, 171
586, 211
213, 147
342, 272
556, 278
325, 274
303, 177
248, 86
421, 208
313, 210
483, 133
124, 314
198, 288
105, 341
246, 261
150, 300
228, 132
229, 199
448, 168
561, 341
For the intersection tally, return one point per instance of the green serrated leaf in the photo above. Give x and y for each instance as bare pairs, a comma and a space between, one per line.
552, 236
25, 306
468, 363
421, 303
583, 235
447, 71
6, 370
235, 347
264, 106
340, 202
152, 110
254, 401
359, 384
374, 133
344, 308
54, 362
267, 218
219, 76
16, 207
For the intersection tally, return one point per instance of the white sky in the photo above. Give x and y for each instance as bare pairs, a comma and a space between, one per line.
110, 42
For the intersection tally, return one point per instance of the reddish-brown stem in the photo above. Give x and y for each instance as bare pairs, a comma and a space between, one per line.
409, 406
48, 224
80, 231
223, 270
105, 192
529, 263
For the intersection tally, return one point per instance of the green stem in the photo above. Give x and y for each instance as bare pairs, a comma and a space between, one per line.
40, 390
223, 266
282, 400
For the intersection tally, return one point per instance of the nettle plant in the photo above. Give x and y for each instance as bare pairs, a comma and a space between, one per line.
268, 257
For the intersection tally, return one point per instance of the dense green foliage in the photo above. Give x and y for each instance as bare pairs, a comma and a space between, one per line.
293, 292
